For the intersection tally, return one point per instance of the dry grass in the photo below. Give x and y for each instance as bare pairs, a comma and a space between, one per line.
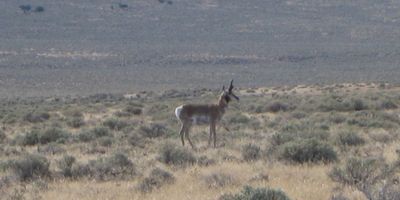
228, 170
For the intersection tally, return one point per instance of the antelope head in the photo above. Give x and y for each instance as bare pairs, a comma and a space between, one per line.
228, 95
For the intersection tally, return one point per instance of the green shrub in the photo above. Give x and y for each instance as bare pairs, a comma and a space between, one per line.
3, 136
205, 161
250, 193
51, 148
217, 180
359, 104
282, 137
349, 139
367, 175
137, 140
238, 119
100, 132
172, 155
133, 109
115, 124
39, 9
65, 165
275, 107
92, 134
117, 166
307, 150
85, 136
76, 122
106, 141
10, 118
153, 131
156, 179
336, 104
387, 105
31, 167
299, 115
337, 118
357, 172
53, 134
251, 152
25, 8
28, 139
36, 117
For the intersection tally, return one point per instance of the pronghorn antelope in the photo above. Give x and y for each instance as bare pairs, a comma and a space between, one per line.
204, 114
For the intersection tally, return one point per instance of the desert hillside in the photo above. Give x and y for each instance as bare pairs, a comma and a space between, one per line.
61, 48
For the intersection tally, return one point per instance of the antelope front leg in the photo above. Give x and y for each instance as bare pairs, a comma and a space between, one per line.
182, 133
210, 137
214, 134
188, 138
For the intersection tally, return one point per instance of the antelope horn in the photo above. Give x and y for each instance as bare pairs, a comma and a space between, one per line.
231, 86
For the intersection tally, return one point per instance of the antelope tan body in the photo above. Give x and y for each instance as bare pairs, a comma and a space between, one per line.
203, 114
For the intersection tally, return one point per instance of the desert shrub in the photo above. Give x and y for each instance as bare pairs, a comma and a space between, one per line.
137, 140
336, 104
36, 116
80, 170
172, 155
251, 152
25, 8
115, 124
76, 122
382, 137
65, 165
106, 141
238, 119
299, 115
365, 174
357, 172
216, 180
359, 104
51, 148
3, 136
349, 139
153, 130
205, 161
337, 118
291, 134
276, 106
389, 192
260, 177
387, 105
31, 167
39, 9
374, 120
133, 109
85, 136
307, 150
156, 179
5, 165
250, 193
117, 166
92, 134
282, 137
30, 138
10, 118
53, 134
100, 132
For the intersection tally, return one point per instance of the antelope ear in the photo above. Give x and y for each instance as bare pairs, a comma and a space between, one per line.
223, 87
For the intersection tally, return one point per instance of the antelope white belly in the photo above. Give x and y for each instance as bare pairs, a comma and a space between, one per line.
200, 119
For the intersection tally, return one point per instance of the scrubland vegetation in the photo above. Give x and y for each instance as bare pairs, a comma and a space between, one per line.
305, 142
